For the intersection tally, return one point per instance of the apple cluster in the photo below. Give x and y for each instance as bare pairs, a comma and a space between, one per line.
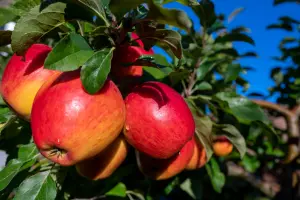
94, 132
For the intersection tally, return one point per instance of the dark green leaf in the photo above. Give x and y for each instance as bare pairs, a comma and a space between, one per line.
5, 114
203, 128
284, 26
176, 76
217, 177
5, 37
120, 9
95, 6
276, 2
233, 135
169, 16
6, 15
240, 29
69, 54
243, 109
40, 186
203, 86
35, 25
95, 71
229, 51
235, 37
118, 191
250, 163
217, 26
9, 172
206, 13
167, 39
232, 72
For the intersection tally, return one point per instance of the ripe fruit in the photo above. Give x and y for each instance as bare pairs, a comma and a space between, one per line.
23, 77
106, 162
69, 125
127, 54
198, 159
158, 121
161, 169
222, 146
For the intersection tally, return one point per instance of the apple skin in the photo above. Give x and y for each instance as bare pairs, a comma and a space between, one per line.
105, 163
158, 120
161, 169
69, 125
127, 54
199, 158
222, 146
135, 37
23, 77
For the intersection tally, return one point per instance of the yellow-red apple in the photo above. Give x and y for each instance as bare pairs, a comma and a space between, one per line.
161, 169
69, 125
198, 159
106, 162
158, 120
23, 77
222, 146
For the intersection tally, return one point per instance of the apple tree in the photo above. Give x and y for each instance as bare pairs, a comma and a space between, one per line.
103, 41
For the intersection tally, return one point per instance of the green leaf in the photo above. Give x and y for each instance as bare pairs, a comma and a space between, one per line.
5, 114
206, 13
167, 39
6, 15
9, 172
217, 177
176, 76
95, 6
118, 191
242, 108
27, 152
69, 54
169, 16
5, 37
21, 7
233, 71
250, 163
203, 128
120, 9
40, 186
35, 25
95, 71
203, 86
235, 37
233, 135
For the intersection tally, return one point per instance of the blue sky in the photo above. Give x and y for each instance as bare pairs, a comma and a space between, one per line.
257, 15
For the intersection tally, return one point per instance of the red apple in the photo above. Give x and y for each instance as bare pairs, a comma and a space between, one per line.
105, 163
198, 159
69, 125
161, 169
125, 54
23, 77
158, 120
135, 37
222, 146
